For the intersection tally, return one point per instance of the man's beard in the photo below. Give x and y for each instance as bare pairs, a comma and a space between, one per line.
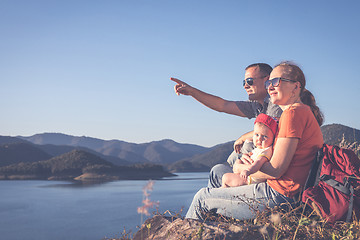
252, 97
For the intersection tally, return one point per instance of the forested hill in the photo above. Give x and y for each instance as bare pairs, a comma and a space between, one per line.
17, 152
335, 133
80, 165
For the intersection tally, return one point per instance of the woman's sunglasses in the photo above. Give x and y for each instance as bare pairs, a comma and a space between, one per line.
250, 81
276, 81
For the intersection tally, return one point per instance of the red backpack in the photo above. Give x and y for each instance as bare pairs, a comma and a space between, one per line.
333, 185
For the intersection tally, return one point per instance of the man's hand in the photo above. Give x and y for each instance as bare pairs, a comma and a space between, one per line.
238, 145
181, 87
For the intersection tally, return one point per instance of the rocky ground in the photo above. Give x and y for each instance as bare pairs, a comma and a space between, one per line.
168, 228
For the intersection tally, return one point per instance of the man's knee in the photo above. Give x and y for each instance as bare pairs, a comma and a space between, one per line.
216, 174
220, 168
232, 158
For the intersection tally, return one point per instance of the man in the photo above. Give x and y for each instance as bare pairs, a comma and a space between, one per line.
254, 84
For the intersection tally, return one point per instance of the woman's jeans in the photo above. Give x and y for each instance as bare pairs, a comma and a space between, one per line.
238, 202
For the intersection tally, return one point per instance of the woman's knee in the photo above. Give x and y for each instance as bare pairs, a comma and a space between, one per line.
200, 194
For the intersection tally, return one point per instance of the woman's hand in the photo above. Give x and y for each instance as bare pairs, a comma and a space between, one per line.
244, 174
246, 159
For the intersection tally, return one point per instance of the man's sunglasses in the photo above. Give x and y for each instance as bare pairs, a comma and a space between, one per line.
250, 81
276, 81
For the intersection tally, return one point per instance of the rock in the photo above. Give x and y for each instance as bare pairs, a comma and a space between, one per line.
95, 177
171, 228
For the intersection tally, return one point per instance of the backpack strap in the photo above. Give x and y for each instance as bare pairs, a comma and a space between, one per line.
351, 204
345, 188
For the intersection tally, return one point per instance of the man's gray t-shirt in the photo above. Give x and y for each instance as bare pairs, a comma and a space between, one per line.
252, 109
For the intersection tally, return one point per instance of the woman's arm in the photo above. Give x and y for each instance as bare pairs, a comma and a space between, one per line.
284, 151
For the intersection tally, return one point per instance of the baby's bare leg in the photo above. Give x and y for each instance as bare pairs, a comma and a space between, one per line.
233, 180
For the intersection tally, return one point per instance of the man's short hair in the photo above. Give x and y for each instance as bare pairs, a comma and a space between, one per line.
264, 68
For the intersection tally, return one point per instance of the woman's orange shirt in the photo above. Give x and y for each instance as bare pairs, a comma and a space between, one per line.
298, 122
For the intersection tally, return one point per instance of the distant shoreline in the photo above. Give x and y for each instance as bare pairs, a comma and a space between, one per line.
89, 177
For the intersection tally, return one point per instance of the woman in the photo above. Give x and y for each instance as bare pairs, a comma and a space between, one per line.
298, 139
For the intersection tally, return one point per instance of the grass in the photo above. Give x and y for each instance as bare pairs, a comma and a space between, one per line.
355, 146
302, 223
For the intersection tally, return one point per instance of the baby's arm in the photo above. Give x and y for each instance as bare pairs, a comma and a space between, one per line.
253, 168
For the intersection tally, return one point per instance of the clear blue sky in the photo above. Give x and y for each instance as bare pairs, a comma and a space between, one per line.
101, 68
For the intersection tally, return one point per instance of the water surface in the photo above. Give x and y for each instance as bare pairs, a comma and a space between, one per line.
63, 210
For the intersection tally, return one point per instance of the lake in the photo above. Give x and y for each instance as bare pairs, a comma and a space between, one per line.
63, 210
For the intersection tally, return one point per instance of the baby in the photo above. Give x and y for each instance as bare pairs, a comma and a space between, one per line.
265, 128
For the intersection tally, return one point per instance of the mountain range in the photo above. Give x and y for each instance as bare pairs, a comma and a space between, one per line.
160, 152
176, 157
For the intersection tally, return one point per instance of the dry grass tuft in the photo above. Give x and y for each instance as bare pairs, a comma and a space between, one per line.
355, 146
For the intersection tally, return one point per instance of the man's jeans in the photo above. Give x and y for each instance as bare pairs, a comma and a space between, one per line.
238, 202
